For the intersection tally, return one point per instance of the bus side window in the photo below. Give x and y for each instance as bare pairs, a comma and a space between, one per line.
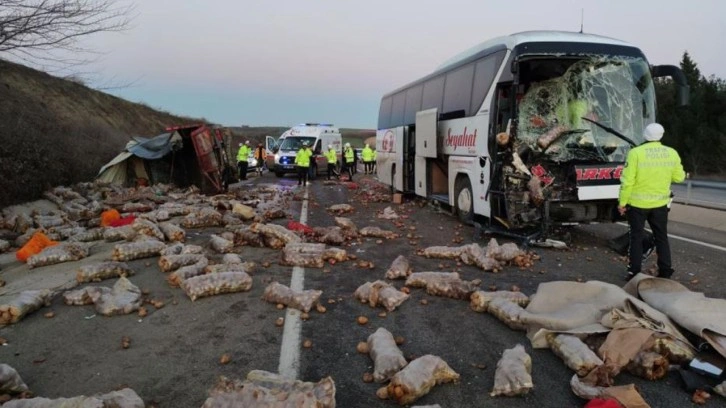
457, 92
433, 93
485, 71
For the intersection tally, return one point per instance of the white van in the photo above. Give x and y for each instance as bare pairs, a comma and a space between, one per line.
318, 136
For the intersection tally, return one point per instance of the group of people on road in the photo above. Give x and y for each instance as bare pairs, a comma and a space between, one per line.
348, 162
243, 156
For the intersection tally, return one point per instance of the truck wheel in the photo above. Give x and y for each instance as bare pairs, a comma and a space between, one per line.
464, 200
279, 173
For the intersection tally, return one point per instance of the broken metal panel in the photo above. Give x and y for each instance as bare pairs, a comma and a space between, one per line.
552, 148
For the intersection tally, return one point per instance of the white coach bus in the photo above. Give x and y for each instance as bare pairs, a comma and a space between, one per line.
527, 130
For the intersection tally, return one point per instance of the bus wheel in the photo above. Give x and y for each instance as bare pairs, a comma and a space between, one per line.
464, 200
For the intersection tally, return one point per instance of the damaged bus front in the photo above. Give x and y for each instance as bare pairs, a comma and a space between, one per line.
558, 111
572, 113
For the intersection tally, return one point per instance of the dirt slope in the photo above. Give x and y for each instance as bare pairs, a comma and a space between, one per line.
54, 131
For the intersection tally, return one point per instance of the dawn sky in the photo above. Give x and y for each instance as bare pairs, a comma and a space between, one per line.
284, 62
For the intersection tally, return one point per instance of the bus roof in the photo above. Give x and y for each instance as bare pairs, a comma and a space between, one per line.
509, 42
512, 40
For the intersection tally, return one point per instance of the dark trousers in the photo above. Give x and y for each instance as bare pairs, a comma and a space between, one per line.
302, 175
348, 168
658, 220
332, 171
242, 170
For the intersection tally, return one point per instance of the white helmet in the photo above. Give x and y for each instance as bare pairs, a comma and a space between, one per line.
653, 132
240, 145
330, 147
347, 145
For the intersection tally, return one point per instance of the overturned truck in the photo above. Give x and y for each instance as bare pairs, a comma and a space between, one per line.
527, 132
182, 155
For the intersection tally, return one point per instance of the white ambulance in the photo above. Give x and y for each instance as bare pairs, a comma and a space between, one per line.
318, 136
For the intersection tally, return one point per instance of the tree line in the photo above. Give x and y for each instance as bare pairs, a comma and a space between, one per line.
697, 131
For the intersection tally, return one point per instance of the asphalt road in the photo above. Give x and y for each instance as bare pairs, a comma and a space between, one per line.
175, 351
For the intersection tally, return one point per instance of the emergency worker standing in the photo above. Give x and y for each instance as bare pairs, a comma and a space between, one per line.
302, 160
645, 188
332, 156
348, 160
367, 156
242, 156
260, 155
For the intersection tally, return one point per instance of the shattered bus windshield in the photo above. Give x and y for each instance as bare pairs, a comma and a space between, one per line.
616, 93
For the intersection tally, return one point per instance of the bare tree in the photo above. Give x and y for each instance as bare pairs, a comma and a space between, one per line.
35, 30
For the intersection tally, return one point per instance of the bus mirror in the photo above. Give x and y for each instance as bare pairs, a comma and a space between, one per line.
659, 71
515, 67
482, 161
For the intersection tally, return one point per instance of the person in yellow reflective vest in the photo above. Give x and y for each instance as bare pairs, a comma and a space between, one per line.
367, 156
332, 156
302, 160
242, 156
645, 190
348, 160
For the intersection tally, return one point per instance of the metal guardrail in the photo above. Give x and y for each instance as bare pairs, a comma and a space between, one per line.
713, 202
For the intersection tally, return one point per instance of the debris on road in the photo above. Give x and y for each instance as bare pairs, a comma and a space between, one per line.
216, 283
220, 245
124, 398
265, 389
169, 263
400, 268
575, 354
103, 270
513, 375
387, 357
304, 301
452, 288
377, 232
310, 255
10, 381
422, 279
507, 312
188, 271
275, 236
480, 299
350, 231
172, 232
329, 235
648, 365
388, 214
123, 233
137, 250
340, 209
26, 302
380, 293
417, 379
123, 298
63, 252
